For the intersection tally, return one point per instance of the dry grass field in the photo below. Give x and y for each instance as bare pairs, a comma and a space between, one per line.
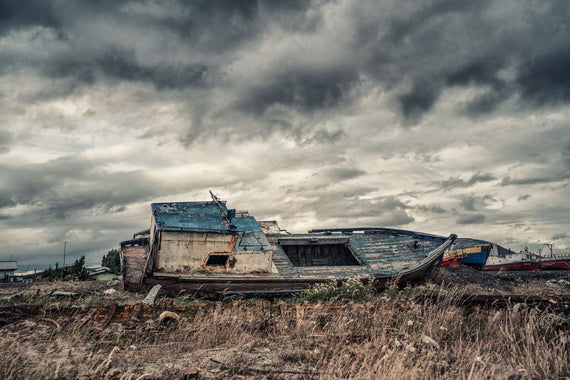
399, 334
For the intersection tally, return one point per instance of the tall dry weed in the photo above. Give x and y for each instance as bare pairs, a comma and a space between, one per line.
393, 336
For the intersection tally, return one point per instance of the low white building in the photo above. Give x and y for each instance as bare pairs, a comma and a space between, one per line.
7, 269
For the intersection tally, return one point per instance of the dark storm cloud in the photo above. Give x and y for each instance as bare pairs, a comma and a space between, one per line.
122, 65
443, 43
415, 51
566, 155
419, 100
479, 73
16, 14
302, 90
224, 25
61, 187
544, 76
471, 219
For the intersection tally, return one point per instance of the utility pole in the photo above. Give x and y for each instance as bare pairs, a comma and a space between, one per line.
64, 246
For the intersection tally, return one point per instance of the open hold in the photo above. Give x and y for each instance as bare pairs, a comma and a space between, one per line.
318, 252
217, 260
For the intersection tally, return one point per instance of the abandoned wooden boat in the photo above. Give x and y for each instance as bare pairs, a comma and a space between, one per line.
208, 248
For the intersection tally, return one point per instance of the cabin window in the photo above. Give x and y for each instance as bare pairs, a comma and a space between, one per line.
318, 252
217, 260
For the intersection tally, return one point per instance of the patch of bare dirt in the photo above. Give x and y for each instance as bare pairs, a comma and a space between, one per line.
506, 282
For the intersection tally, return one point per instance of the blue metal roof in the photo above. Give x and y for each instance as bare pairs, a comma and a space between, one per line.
201, 217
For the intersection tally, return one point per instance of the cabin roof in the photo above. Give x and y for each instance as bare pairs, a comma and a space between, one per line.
201, 217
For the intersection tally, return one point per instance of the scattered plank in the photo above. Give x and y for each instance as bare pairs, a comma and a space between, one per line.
149, 299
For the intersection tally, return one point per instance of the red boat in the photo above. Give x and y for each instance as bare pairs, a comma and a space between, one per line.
451, 261
560, 262
502, 259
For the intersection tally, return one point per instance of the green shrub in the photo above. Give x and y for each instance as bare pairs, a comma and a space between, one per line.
350, 290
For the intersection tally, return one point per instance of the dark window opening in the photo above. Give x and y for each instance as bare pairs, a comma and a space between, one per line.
318, 254
220, 260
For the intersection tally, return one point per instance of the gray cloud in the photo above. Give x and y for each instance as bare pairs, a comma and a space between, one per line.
471, 219
16, 15
508, 181
6, 137
457, 182
566, 154
311, 112
215, 31
341, 174
468, 203
419, 100
61, 188
561, 236
301, 90
434, 208
122, 65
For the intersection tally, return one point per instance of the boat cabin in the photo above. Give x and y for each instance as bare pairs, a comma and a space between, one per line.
192, 237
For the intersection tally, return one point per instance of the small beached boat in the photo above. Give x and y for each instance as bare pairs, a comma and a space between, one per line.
554, 261
474, 256
467, 251
206, 247
502, 259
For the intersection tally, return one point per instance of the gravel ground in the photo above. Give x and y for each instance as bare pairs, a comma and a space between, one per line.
472, 280
505, 282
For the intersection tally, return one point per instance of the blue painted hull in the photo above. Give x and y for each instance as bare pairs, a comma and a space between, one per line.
475, 259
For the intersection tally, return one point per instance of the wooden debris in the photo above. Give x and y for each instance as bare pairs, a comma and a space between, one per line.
59, 293
149, 299
12, 296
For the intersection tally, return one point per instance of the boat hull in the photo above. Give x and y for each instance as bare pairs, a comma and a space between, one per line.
522, 266
451, 261
556, 264
271, 285
474, 256
476, 259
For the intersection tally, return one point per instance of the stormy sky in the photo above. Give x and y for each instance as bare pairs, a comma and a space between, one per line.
438, 116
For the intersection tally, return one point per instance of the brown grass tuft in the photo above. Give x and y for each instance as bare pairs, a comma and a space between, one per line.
392, 336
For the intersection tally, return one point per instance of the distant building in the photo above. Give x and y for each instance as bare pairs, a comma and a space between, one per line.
28, 276
99, 273
7, 269
134, 256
